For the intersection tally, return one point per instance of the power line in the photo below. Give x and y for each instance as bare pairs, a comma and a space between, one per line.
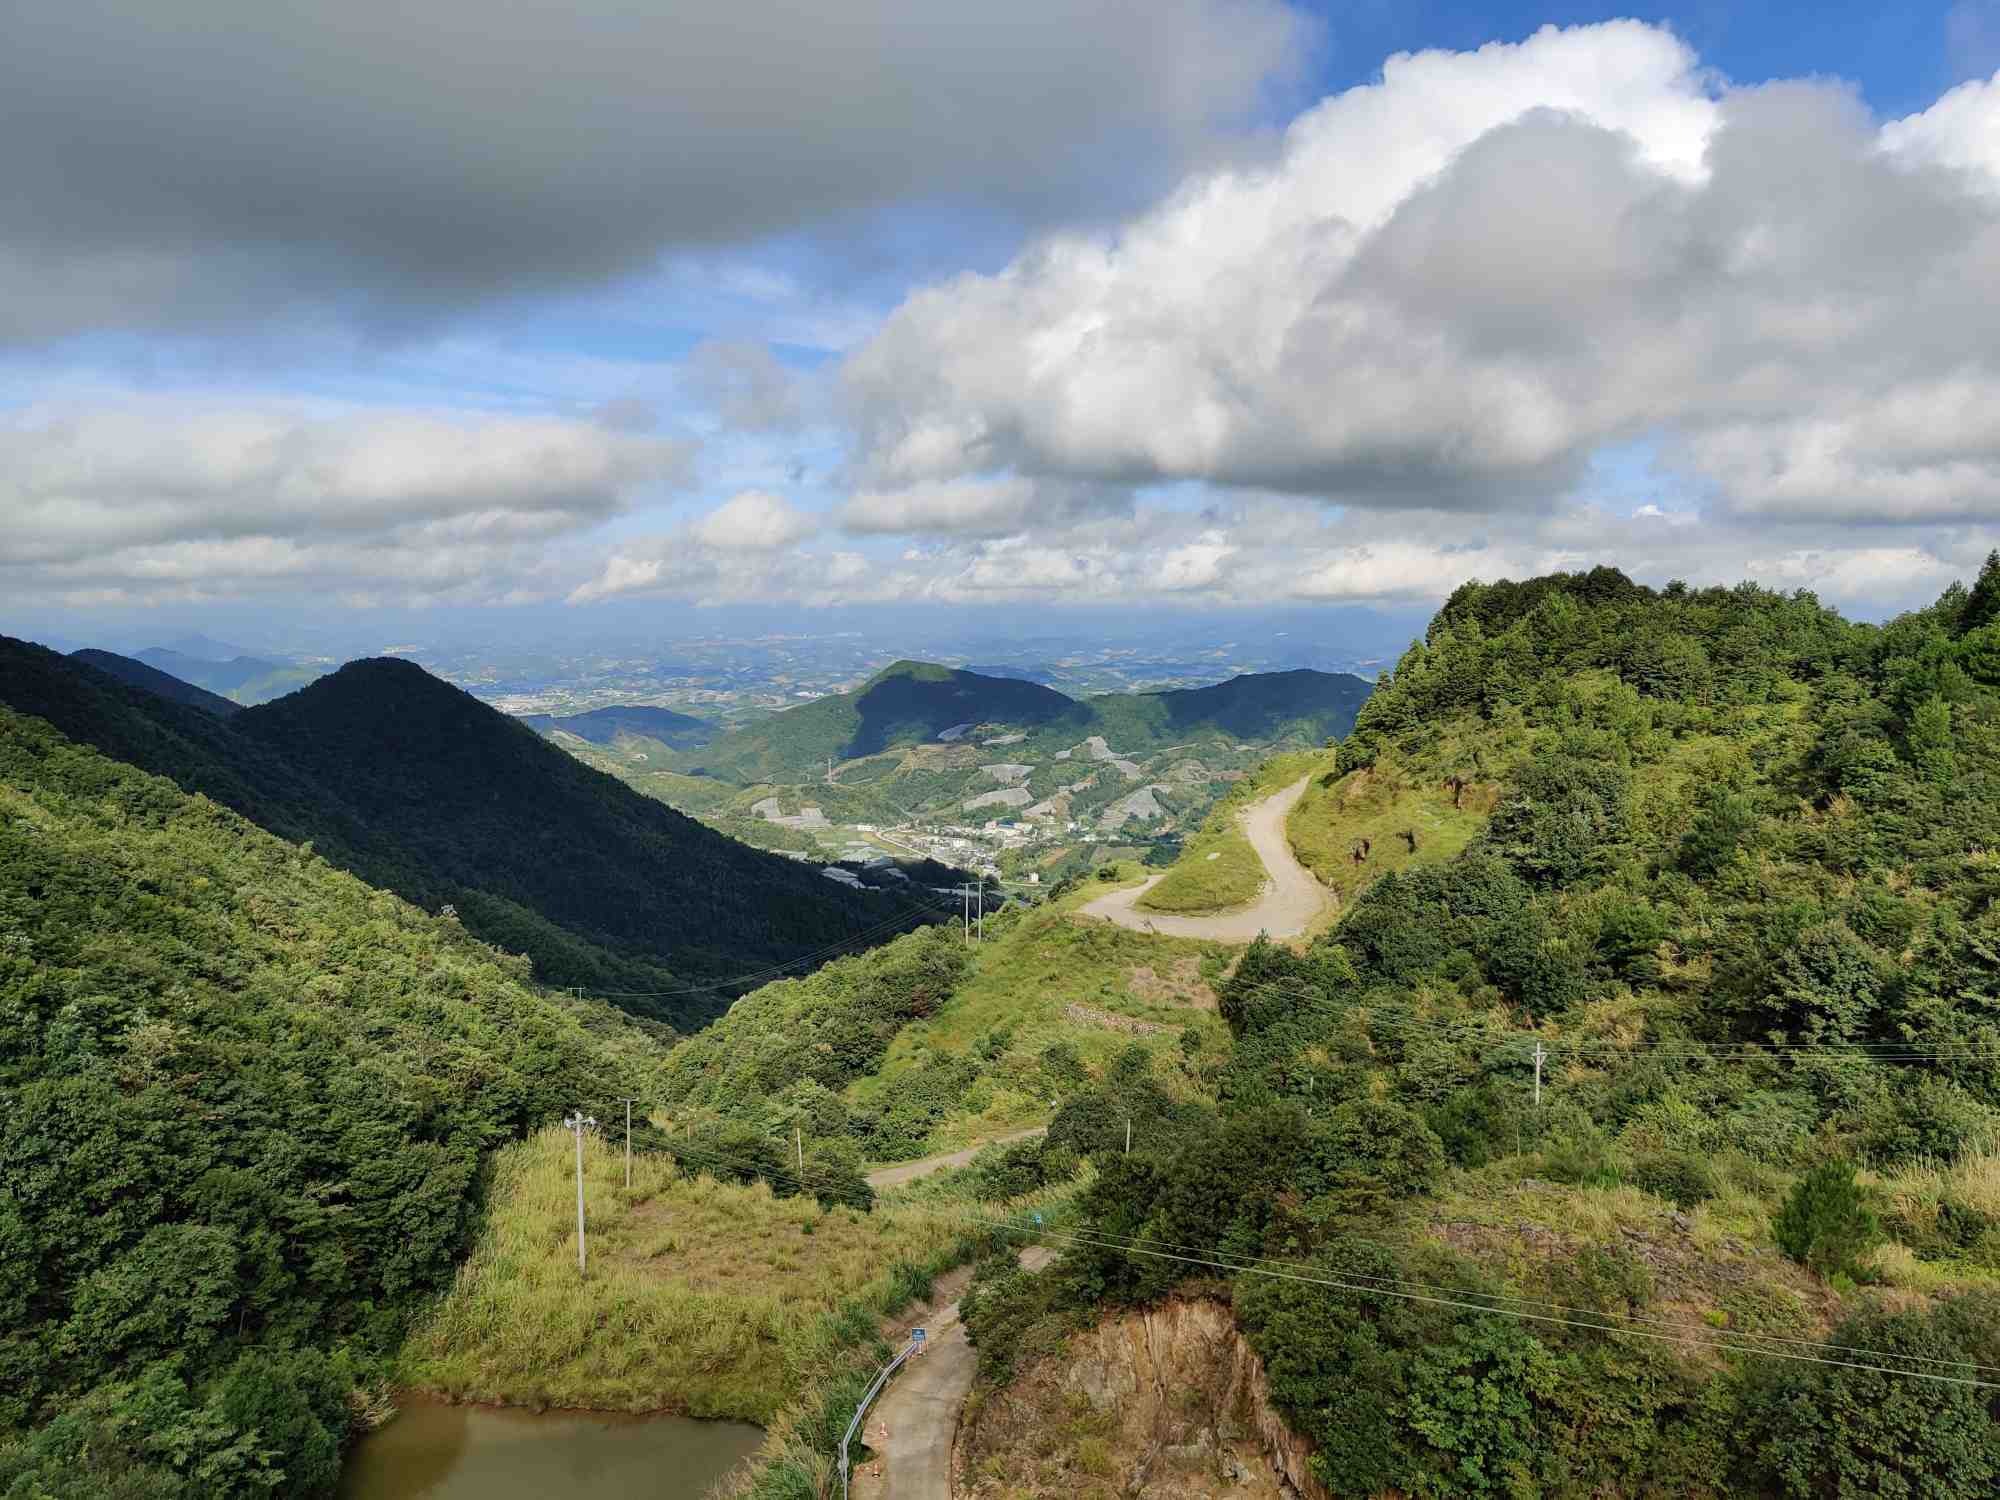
1472, 1028
1412, 1290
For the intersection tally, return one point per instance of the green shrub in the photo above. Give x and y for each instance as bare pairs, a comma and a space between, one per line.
1826, 1223
1680, 1177
1842, 1433
1574, 1150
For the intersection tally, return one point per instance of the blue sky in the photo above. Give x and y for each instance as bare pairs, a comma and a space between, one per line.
924, 307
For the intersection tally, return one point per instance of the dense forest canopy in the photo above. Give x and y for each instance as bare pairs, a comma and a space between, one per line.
248, 1098
1738, 883
418, 787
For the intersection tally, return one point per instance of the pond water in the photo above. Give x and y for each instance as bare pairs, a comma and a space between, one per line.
432, 1451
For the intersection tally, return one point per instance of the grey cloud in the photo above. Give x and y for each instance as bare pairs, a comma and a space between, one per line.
116, 489
1272, 550
746, 386
214, 157
981, 507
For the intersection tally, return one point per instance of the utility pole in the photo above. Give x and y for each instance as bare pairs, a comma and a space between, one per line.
982, 909
1539, 1055
1128, 1137
628, 1143
799, 1146
578, 1123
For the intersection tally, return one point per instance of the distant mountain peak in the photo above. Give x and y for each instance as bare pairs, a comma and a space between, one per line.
919, 671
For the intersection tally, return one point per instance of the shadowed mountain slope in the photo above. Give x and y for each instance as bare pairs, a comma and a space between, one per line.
421, 788
1262, 706
903, 704
914, 702
138, 674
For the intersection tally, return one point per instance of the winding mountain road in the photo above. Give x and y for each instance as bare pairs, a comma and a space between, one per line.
1290, 901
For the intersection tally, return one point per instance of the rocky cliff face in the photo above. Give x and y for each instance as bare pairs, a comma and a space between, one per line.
1169, 1401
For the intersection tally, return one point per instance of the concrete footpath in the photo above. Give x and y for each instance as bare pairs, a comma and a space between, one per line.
913, 1427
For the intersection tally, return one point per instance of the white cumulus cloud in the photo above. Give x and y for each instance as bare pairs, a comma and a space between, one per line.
1458, 284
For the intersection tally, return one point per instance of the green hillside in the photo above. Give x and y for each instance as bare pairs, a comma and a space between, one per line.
139, 675
907, 703
1301, 707
248, 1103
913, 703
1727, 859
418, 787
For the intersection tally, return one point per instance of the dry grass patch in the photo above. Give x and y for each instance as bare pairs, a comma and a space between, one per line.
1180, 984
701, 1297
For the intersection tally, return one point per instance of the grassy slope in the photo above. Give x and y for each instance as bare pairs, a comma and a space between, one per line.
702, 1297
1043, 977
1233, 877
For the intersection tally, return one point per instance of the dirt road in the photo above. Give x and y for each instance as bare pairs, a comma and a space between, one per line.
1286, 907
912, 1428
910, 1171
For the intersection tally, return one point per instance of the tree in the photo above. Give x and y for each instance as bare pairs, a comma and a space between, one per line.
1982, 605
1844, 1434
1827, 986
1723, 822
1826, 1224
1930, 741
1562, 814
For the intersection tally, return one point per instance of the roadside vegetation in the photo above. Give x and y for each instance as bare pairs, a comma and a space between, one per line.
1217, 868
248, 1103
1726, 858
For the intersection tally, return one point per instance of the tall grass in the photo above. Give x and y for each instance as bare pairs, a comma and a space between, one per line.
701, 1297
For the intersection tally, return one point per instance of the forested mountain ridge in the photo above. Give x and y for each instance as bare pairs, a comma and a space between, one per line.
907, 702
911, 703
1303, 705
248, 1099
1731, 871
420, 788
139, 674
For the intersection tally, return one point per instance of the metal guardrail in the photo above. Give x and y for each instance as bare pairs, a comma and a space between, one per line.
875, 1386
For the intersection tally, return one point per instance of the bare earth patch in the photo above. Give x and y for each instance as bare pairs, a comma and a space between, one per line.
1181, 984
1090, 1015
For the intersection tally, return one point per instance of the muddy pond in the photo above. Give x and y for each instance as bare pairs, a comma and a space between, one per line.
431, 1451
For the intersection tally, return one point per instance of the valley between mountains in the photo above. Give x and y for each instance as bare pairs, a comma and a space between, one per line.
1566, 1066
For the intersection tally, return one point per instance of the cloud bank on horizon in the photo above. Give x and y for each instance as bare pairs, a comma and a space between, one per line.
563, 312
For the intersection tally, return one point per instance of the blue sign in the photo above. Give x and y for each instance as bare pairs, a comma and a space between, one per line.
916, 1335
